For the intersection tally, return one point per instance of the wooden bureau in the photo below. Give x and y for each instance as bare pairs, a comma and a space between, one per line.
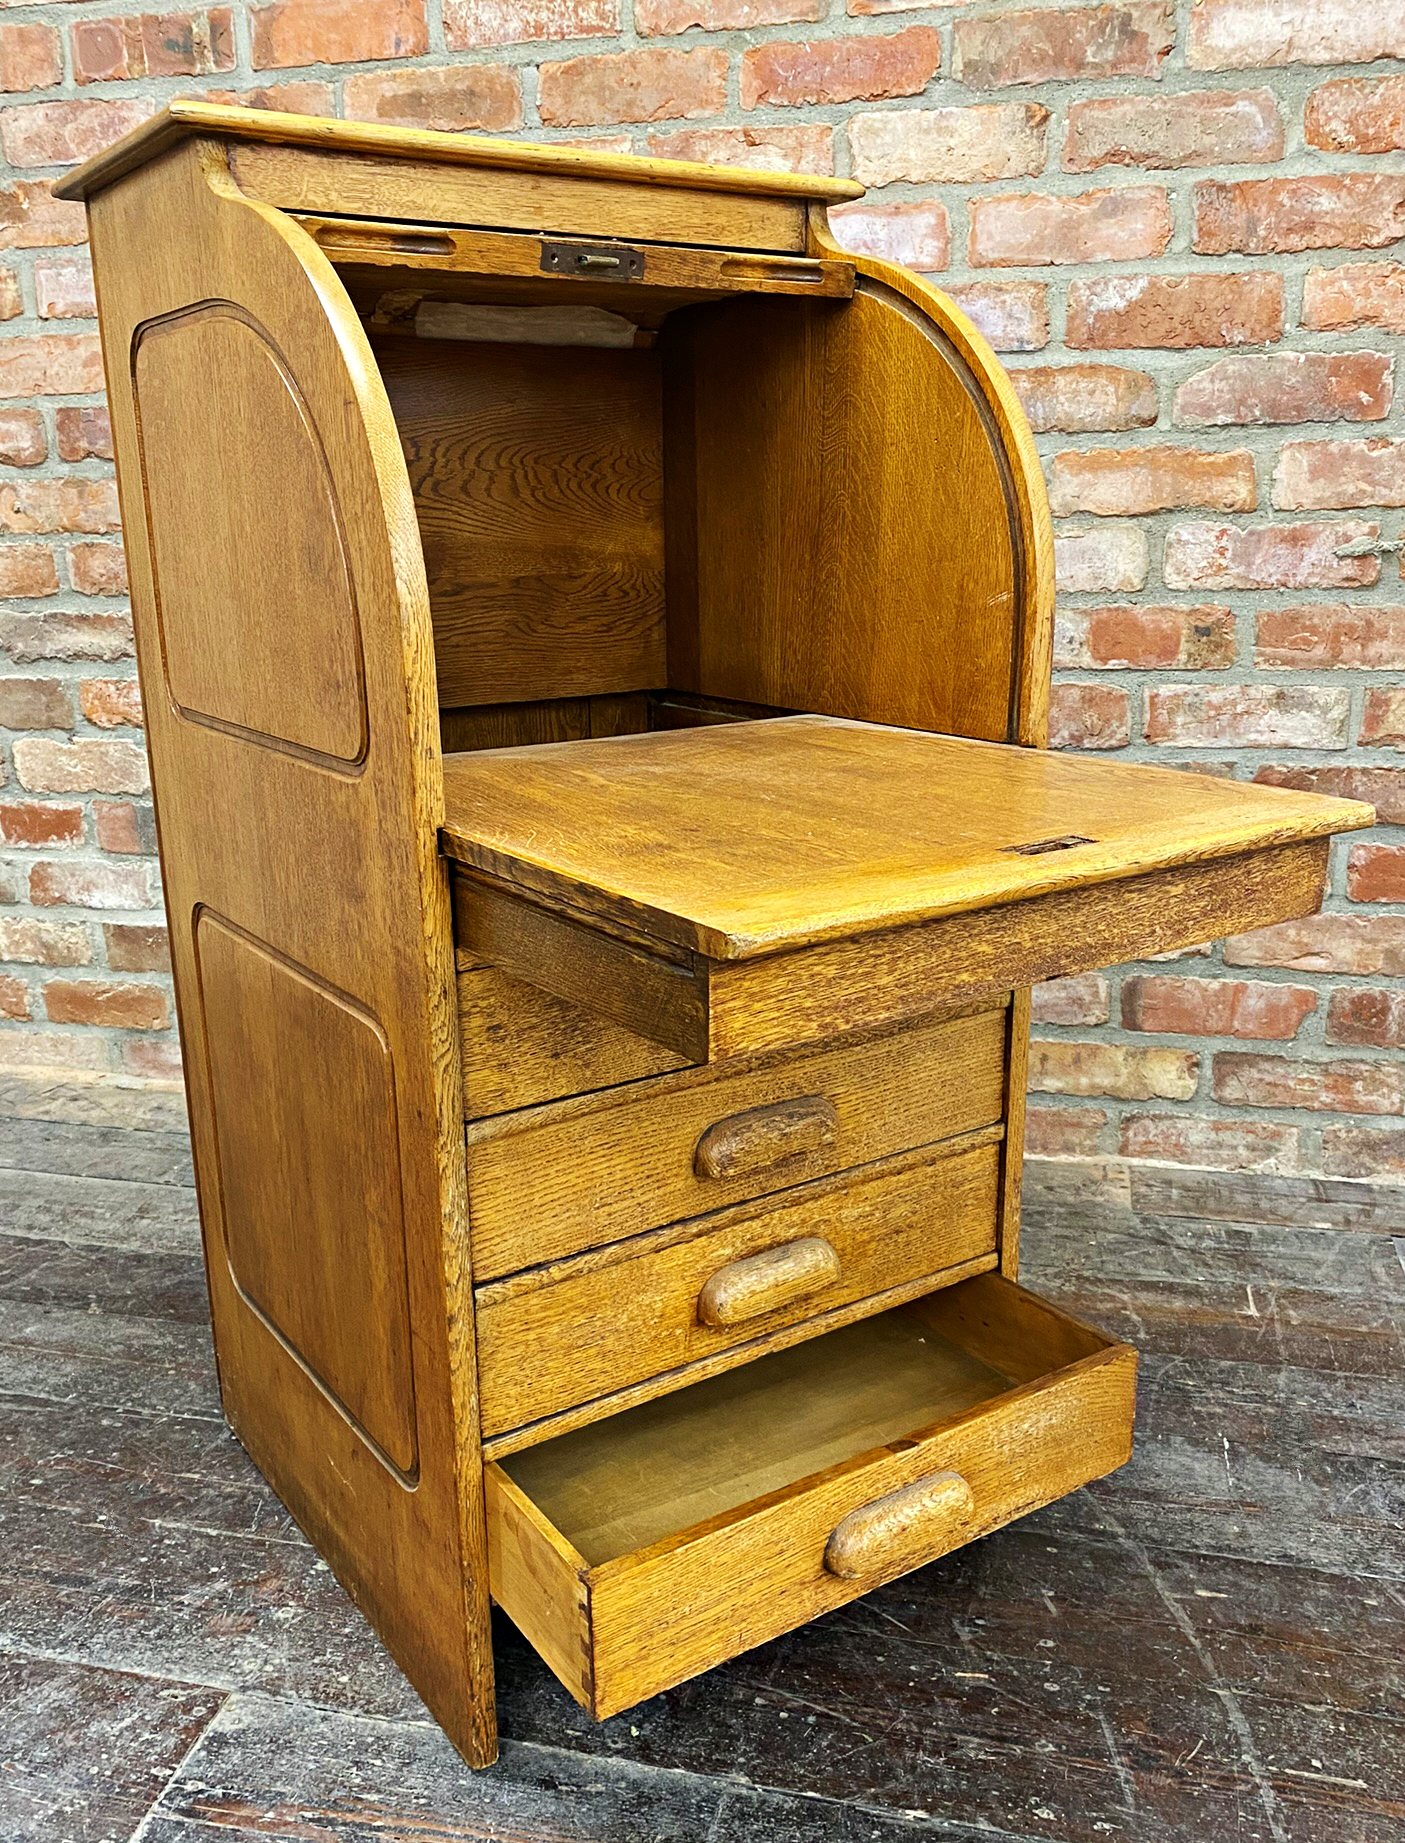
595, 642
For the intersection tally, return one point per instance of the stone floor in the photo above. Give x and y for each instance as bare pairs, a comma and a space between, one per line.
1207, 1648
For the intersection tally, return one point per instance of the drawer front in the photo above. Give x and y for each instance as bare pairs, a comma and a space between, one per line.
619, 1630
550, 1182
563, 1335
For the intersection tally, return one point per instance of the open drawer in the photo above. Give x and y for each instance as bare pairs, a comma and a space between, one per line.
643, 1549
742, 887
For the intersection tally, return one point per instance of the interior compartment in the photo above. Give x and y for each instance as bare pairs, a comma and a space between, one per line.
630, 1550
679, 488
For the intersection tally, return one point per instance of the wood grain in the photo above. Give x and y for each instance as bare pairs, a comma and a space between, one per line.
185, 116
605, 1167
589, 1327
862, 828
537, 477
686, 1565
329, 874
523, 1046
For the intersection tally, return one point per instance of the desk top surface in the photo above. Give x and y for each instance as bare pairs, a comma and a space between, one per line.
742, 839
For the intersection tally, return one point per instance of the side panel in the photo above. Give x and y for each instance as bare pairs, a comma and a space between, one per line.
284, 644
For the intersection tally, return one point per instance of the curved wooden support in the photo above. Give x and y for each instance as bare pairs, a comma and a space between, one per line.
284, 644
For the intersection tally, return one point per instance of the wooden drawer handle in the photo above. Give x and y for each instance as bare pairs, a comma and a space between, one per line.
766, 1136
764, 1282
898, 1532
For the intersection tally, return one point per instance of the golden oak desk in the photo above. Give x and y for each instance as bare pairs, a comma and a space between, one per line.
595, 639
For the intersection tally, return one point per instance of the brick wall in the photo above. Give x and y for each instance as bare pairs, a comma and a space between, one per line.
1179, 222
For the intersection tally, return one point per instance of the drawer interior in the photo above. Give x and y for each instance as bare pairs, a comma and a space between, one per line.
641, 1549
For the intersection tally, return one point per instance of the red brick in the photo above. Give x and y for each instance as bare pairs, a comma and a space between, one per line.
1332, 634
1114, 558
1013, 316
26, 939
14, 997
62, 133
1089, 717
1383, 788
153, 45
792, 148
64, 290
83, 766
23, 442
673, 16
1376, 873
1216, 1145
1081, 399
32, 218
994, 140
471, 24
1339, 476
1354, 116
1080, 999
73, 504
85, 434
87, 885
104, 1001
915, 233
1367, 1018
1364, 1151
1358, 294
1383, 720
35, 704
28, 637
1287, 387
98, 569
487, 96
1175, 311
125, 828
854, 69
1200, 128
31, 58
50, 364
27, 571
1243, 1079
1248, 716
1066, 43
1259, 217
1238, 34
295, 98
11, 297
1122, 1071
1035, 229
152, 1058
136, 948
291, 32
1145, 638
632, 86
1180, 1006
1301, 556
1064, 1132
111, 703
1122, 482
31, 822
1369, 944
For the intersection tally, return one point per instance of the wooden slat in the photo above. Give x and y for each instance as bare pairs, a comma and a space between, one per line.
375, 185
